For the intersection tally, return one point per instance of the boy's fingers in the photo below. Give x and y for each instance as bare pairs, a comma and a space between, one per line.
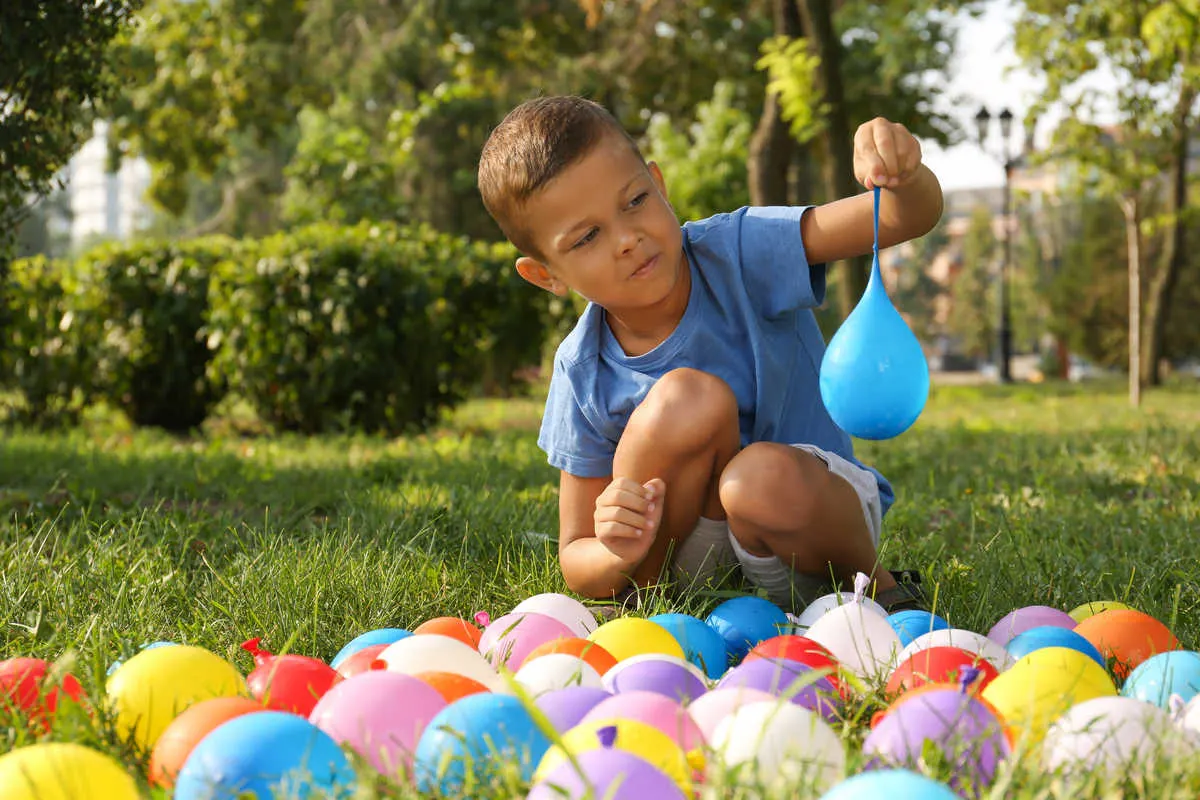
885, 146
624, 516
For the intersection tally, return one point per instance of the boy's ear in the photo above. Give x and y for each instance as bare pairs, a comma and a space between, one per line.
657, 176
539, 275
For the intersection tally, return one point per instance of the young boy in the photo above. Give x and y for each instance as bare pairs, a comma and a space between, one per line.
684, 411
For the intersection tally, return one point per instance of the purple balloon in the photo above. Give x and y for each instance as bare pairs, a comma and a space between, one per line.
964, 729
675, 681
608, 773
780, 677
565, 708
1022, 619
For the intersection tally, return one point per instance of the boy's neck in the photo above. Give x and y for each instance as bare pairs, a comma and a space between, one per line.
643, 330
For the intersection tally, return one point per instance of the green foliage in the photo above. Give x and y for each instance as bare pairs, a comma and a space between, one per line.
973, 293
704, 167
793, 74
916, 293
374, 327
150, 301
46, 355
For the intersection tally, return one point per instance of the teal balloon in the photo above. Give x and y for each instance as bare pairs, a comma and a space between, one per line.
910, 624
874, 376
701, 643
1026, 642
897, 783
1160, 676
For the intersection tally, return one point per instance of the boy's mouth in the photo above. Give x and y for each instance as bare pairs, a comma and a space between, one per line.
647, 265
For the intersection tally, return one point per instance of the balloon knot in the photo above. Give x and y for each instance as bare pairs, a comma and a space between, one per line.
861, 582
967, 676
607, 735
261, 656
483, 618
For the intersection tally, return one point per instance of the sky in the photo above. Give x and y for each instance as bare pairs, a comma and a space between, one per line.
984, 57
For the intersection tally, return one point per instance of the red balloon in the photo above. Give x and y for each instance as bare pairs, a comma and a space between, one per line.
939, 665
360, 661
288, 683
800, 649
24, 688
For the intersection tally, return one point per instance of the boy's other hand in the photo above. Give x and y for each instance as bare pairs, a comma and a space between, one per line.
885, 154
627, 517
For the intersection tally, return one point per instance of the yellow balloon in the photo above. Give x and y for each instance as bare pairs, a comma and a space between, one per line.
634, 737
1041, 686
61, 771
1080, 613
626, 637
149, 690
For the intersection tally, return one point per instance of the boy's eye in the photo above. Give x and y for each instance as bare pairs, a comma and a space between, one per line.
637, 201
587, 237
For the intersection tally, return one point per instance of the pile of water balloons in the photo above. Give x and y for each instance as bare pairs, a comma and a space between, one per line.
559, 704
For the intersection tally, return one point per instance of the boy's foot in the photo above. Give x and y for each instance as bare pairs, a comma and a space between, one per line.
906, 595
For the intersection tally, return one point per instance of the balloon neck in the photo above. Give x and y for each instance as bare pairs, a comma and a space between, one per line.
861, 582
968, 676
607, 736
483, 618
876, 278
260, 655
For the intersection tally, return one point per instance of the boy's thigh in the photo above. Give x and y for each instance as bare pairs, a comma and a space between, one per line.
862, 481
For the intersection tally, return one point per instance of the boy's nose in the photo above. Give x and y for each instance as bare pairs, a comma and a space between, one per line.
627, 240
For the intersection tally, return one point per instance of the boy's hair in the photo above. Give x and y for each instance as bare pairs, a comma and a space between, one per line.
534, 143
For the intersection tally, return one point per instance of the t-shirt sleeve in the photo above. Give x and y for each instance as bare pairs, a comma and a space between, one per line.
569, 439
775, 268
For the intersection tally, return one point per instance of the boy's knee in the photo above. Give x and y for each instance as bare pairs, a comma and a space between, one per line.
689, 403
766, 478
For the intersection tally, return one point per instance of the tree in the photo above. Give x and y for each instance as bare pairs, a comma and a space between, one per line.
1153, 48
54, 71
972, 316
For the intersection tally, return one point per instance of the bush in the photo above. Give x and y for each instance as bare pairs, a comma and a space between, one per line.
45, 355
152, 300
375, 327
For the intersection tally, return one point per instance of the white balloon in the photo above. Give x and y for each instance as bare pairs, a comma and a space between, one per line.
779, 744
826, 603
1113, 735
711, 708
556, 671
567, 610
963, 639
861, 640
611, 675
436, 653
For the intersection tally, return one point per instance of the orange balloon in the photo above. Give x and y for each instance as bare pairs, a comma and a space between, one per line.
450, 685
596, 656
453, 627
186, 731
362, 661
1126, 637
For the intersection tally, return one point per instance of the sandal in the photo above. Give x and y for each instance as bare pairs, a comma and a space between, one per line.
906, 595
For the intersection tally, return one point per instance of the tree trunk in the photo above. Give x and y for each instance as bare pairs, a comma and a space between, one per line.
771, 145
836, 135
1132, 209
1174, 255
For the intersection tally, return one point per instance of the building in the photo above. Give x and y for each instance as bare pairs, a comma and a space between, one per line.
103, 204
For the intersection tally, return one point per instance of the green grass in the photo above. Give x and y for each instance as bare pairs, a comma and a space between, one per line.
111, 538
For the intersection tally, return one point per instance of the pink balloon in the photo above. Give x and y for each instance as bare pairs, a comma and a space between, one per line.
654, 709
511, 638
380, 714
1022, 619
709, 709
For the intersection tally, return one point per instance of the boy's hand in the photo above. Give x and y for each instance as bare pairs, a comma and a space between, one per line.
885, 154
627, 517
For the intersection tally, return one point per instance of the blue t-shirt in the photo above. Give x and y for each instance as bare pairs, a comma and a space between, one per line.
749, 321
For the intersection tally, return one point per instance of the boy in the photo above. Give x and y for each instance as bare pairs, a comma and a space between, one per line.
684, 412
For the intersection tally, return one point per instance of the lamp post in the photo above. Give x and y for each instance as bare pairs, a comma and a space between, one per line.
983, 123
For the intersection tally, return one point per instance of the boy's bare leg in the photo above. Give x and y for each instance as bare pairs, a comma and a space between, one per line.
685, 432
783, 501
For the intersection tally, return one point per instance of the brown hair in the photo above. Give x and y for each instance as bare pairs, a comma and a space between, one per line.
534, 143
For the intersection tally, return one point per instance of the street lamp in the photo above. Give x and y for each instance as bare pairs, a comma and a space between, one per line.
983, 122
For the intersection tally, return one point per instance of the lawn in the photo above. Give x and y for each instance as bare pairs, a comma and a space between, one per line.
112, 538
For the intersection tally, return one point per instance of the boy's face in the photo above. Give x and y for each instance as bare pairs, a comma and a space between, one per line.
606, 230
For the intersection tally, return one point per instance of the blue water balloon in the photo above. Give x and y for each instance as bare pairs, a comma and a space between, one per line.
701, 643
745, 621
910, 624
898, 783
380, 636
1026, 642
1157, 678
113, 667
874, 376
263, 755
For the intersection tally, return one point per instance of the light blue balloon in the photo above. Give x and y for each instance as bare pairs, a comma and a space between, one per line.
1162, 675
265, 754
874, 376
897, 783
910, 624
745, 621
152, 646
1026, 642
701, 643
380, 636
476, 734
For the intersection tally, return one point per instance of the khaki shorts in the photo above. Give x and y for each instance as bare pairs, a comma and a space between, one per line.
711, 551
